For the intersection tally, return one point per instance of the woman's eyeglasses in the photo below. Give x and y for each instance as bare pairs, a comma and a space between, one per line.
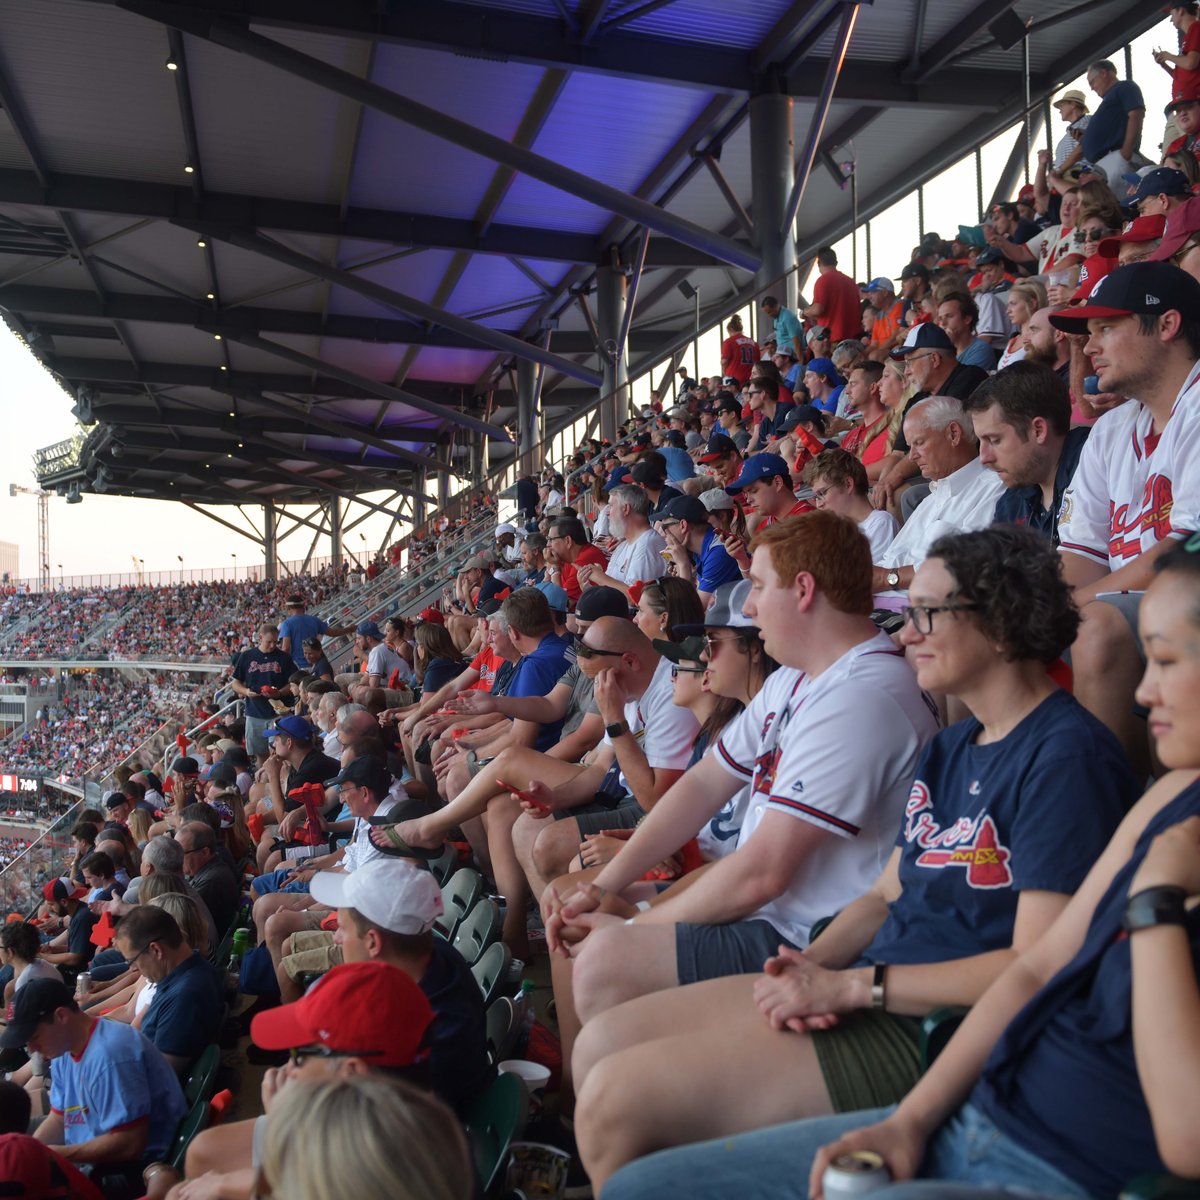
920, 616
678, 669
1093, 235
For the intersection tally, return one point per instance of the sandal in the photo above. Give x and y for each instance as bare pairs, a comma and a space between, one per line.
397, 847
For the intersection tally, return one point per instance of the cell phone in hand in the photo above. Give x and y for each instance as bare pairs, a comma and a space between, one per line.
527, 797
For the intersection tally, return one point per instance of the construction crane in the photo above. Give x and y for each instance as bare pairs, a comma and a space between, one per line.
43, 499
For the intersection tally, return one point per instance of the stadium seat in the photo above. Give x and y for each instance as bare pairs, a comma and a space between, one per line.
478, 931
199, 1085
458, 898
501, 1028
491, 969
492, 1122
444, 866
937, 1028
192, 1124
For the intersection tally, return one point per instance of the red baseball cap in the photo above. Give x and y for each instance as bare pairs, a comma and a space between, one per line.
1141, 229
369, 1008
40, 1173
58, 889
1094, 269
431, 614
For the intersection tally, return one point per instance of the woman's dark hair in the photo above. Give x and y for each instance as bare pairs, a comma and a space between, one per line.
21, 939
1183, 559
677, 598
434, 641
99, 864
1014, 578
86, 831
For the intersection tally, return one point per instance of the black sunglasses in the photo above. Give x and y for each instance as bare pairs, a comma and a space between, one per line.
298, 1054
583, 650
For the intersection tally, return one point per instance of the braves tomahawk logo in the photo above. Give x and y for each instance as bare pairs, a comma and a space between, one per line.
972, 843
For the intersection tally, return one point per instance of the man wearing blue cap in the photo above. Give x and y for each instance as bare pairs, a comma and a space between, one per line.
888, 330
382, 661
825, 386
293, 749
767, 483
695, 546
1159, 191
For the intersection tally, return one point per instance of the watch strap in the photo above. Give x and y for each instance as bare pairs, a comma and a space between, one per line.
1155, 906
879, 986
616, 729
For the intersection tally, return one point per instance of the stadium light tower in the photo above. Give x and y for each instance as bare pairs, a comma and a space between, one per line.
43, 499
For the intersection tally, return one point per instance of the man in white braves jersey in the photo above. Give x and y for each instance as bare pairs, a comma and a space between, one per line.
820, 824
1137, 487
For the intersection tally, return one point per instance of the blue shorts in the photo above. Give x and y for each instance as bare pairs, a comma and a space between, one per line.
274, 881
713, 951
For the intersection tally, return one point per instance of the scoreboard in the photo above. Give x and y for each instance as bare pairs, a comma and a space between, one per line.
27, 785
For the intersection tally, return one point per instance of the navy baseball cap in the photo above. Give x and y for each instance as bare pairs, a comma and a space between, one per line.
991, 255
719, 445
682, 508
926, 336
1162, 181
597, 602
364, 772
291, 726
36, 1002
618, 476
803, 414
1139, 288
756, 467
369, 629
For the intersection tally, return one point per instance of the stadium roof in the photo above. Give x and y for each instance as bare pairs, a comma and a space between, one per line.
297, 263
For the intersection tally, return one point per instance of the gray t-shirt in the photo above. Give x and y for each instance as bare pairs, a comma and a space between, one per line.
582, 700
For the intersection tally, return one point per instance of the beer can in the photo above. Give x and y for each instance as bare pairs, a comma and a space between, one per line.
856, 1174
83, 983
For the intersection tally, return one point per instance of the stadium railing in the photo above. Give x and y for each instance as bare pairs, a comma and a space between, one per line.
45, 858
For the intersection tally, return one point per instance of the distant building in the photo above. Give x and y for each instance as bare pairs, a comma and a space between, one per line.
9, 555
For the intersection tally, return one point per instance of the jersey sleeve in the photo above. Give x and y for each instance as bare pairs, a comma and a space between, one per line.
1185, 465
239, 669
815, 780
737, 747
1084, 521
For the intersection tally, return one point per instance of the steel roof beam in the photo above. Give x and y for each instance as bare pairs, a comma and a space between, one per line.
233, 36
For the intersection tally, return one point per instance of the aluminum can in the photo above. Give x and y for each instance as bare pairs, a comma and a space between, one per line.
83, 983
852, 1175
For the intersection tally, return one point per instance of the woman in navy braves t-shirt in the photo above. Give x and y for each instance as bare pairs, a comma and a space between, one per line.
1008, 811
1080, 1067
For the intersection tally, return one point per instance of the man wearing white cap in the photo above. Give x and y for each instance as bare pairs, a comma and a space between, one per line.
506, 543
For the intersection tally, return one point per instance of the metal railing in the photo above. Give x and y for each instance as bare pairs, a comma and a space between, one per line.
45, 858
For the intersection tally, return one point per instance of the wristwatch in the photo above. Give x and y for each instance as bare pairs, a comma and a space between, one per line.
879, 986
1155, 906
615, 730
893, 578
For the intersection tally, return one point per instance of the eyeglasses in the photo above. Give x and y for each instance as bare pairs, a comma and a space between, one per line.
677, 670
583, 650
139, 954
819, 494
1093, 235
912, 358
711, 643
297, 1054
921, 615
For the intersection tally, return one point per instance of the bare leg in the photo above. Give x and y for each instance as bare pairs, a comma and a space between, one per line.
502, 815
621, 962
280, 926
223, 1148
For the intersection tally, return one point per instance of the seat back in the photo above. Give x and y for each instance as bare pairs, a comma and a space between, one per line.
480, 929
195, 1120
446, 863
458, 898
501, 1028
492, 1122
199, 1085
491, 970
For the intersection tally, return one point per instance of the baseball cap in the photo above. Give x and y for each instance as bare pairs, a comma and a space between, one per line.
717, 499
369, 1007
1141, 229
926, 336
730, 381
915, 270
825, 367
114, 800
37, 1172
718, 445
616, 477
1182, 222
729, 406
223, 772
785, 352
432, 614
725, 611
293, 726
369, 629
504, 527
556, 596
38, 1000
393, 893
227, 744
687, 650
1026, 194
476, 561
682, 508
1162, 181
1146, 288
597, 602
803, 414
647, 472
817, 333
61, 889
880, 284
184, 765
756, 467
988, 256
364, 772
1093, 269
1189, 96
1072, 95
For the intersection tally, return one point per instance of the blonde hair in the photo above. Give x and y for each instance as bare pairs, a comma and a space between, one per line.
187, 914
139, 826
317, 1128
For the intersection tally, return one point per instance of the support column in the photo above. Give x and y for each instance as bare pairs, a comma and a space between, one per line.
526, 412
614, 363
445, 452
476, 468
772, 175
335, 530
270, 544
419, 514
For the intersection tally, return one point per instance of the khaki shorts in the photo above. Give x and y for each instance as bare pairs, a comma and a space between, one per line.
312, 953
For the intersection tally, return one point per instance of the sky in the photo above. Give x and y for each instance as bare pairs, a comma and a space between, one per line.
114, 535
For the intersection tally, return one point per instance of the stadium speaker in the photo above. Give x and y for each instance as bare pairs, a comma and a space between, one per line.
1008, 29
73, 494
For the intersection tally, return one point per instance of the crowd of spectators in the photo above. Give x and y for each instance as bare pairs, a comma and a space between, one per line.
853, 681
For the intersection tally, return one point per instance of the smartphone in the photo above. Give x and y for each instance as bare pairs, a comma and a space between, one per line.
528, 797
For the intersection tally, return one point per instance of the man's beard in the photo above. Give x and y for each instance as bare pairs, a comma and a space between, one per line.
1039, 354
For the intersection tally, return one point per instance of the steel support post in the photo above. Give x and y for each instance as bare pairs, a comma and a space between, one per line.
526, 411
269, 540
772, 172
614, 363
335, 530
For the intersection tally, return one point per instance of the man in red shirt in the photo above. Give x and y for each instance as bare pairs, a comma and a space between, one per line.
1184, 67
836, 300
568, 543
739, 353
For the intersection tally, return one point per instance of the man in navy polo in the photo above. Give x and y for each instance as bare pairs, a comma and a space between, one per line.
188, 1006
543, 654
695, 547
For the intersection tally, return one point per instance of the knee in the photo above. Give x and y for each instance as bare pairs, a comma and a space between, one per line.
1103, 634
204, 1154
599, 1111
276, 927
594, 973
548, 851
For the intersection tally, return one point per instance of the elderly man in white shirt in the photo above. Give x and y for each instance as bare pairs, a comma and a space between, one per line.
962, 495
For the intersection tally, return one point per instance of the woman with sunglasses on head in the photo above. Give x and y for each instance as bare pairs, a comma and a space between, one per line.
1008, 811
664, 603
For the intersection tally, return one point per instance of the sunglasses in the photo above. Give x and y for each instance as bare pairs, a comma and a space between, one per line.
677, 670
297, 1054
583, 650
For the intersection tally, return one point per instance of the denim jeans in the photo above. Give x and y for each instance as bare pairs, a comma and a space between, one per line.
775, 1162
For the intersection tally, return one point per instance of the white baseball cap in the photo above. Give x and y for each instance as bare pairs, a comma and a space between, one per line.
393, 893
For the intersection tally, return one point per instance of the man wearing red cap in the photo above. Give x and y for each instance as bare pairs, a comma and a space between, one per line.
1139, 239
73, 947
1137, 488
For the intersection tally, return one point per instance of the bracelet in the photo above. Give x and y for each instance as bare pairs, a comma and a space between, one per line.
1154, 906
155, 1168
879, 987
